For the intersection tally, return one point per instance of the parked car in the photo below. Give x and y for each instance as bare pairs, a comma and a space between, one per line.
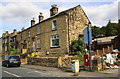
11, 61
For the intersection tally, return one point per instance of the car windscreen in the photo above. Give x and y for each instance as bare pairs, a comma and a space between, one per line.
14, 58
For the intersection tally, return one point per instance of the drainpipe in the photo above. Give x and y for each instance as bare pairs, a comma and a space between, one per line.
68, 32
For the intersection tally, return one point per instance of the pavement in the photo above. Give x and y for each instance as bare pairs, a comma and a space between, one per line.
41, 71
64, 72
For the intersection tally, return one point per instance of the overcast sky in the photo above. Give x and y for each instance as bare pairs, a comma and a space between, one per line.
15, 14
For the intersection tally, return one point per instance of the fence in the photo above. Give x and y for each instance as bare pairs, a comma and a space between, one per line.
104, 50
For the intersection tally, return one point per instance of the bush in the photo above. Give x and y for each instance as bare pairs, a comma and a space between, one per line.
77, 47
14, 51
80, 58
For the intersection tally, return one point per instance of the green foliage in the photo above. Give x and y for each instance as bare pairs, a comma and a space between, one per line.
95, 31
111, 29
108, 30
14, 51
118, 28
103, 30
77, 47
80, 58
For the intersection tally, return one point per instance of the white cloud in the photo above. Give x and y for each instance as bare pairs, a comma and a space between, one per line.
18, 14
99, 15
82, 0
58, 0
25, 0
119, 10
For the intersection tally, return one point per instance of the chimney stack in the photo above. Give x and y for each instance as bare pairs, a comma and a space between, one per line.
41, 17
14, 31
6, 33
53, 10
32, 22
22, 29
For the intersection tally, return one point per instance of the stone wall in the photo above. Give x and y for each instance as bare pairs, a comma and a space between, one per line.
77, 22
50, 61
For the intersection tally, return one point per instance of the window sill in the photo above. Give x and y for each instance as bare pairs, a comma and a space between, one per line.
55, 47
38, 34
38, 48
54, 29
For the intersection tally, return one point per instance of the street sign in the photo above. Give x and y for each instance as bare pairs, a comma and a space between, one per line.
88, 41
87, 38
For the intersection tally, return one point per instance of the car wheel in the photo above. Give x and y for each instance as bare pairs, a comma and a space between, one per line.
18, 65
7, 65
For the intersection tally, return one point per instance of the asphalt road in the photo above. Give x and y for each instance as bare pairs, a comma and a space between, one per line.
25, 72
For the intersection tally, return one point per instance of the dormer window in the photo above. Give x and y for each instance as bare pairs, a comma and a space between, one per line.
54, 25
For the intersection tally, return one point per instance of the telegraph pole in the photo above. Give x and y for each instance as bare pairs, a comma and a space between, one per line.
89, 47
88, 41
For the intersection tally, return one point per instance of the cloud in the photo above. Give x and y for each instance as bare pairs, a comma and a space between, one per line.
99, 15
82, 0
58, 0
16, 15
119, 10
16, 12
25, 0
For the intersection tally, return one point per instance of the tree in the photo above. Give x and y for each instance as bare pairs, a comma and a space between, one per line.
103, 30
77, 47
95, 31
14, 51
111, 29
118, 29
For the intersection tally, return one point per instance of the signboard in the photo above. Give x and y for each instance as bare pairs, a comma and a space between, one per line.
87, 38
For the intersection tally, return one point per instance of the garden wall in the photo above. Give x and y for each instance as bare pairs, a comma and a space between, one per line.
50, 61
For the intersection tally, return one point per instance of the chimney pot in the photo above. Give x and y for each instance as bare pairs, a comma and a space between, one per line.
41, 17
54, 5
6, 32
22, 29
53, 10
32, 21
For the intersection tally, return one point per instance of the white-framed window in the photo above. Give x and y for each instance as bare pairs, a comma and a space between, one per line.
28, 44
38, 46
38, 30
29, 33
33, 45
5, 40
55, 40
14, 46
6, 47
14, 39
54, 25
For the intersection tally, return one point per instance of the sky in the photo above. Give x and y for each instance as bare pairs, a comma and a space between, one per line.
15, 14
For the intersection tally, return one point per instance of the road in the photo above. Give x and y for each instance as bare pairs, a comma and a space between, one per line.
26, 72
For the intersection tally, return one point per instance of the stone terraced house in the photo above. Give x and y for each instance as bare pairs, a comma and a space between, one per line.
51, 36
